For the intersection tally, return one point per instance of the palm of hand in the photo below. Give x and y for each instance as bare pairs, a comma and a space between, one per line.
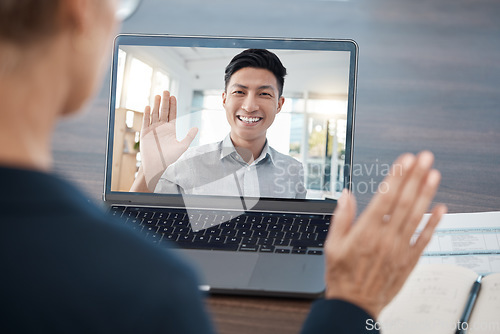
159, 145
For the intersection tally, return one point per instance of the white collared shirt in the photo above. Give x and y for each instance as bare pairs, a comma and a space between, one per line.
218, 169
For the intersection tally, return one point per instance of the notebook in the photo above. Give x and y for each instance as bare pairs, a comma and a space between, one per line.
252, 223
443, 298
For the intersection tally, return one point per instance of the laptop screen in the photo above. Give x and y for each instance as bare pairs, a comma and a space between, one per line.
253, 119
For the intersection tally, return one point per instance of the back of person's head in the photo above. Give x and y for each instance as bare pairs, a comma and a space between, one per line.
25, 21
257, 58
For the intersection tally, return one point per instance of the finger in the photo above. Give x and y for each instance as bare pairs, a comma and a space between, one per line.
156, 107
422, 203
189, 137
173, 109
343, 216
411, 190
146, 118
426, 234
165, 107
389, 190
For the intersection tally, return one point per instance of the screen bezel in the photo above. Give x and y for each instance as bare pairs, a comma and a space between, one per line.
229, 202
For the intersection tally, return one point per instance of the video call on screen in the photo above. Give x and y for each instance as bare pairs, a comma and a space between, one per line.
310, 128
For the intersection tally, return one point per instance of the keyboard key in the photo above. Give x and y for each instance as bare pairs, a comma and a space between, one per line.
136, 227
282, 251
321, 229
227, 225
117, 211
309, 236
233, 240
209, 218
291, 228
254, 219
161, 215
150, 229
265, 241
281, 242
243, 226
134, 221
193, 245
217, 239
194, 217
224, 247
177, 215
181, 230
274, 227
170, 237
259, 227
185, 238
239, 219
153, 237
266, 249
319, 222
228, 232
291, 235
285, 220
149, 222
322, 237
248, 248
164, 222
165, 229
276, 235
270, 220
212, 231
249, 241
307, 228
301, 220
244, 233
130, 214
298, 251
183, 223
201, 239
197, 226
145, 214
261, 234
303, 243
315, 252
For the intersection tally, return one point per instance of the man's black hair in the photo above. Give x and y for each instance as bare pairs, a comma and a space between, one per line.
257, 58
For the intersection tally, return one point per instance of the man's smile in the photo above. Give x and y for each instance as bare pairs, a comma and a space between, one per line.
249, 120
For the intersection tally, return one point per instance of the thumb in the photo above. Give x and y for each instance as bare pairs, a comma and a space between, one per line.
189, 137
343, 216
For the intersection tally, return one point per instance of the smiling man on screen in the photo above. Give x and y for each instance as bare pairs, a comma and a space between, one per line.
243, 163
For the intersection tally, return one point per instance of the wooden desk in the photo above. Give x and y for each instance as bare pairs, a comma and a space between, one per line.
429, 78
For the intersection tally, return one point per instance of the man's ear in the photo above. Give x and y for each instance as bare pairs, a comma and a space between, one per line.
281, 100
224, 98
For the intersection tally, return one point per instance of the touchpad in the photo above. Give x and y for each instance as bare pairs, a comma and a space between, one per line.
285, 273
224, 270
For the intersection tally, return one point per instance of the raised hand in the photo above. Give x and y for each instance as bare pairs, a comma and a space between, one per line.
159, 145
368, 262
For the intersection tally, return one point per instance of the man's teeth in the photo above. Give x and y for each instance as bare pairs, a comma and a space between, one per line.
249, 119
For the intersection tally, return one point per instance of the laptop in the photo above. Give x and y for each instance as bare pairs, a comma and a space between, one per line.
253, 225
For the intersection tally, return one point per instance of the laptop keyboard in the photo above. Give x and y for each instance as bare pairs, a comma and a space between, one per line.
229, 231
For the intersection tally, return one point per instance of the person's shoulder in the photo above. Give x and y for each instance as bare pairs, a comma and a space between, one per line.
283, 158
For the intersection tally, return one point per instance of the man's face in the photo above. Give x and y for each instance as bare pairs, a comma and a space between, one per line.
251, 101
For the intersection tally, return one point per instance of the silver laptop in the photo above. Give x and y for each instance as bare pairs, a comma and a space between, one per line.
249, 197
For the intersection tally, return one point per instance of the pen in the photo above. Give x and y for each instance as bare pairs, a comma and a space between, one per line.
463, 325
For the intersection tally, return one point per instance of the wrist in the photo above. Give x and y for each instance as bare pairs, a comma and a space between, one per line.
370, 306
